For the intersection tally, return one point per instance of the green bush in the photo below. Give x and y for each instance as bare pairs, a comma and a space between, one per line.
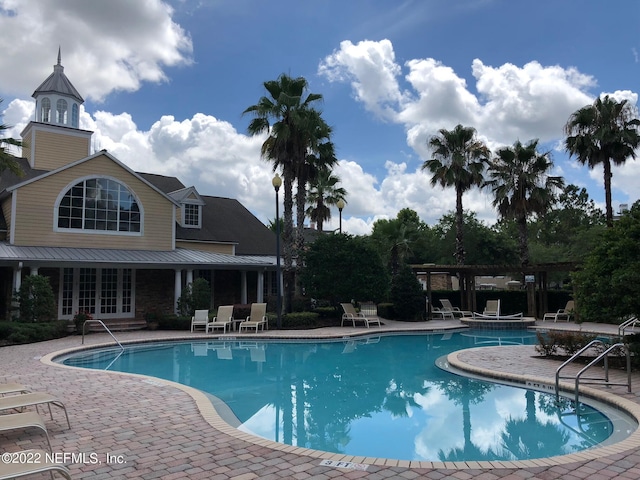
174, 322
196, 296
327, 312
569, 342
386, 310
36, 300
407, 295
299, 319
14, 333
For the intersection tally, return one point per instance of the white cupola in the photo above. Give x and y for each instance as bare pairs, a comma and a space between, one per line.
57, 100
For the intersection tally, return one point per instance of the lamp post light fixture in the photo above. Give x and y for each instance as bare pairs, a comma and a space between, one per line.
277, 182
340, 206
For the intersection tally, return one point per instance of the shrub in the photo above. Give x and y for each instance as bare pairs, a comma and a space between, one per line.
327, 312
79, 318
386, 310
36, 300
174, 322
14, 333
300, 319
568, 342
407, 295
196, 296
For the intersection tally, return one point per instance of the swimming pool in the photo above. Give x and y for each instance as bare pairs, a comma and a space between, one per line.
376, 396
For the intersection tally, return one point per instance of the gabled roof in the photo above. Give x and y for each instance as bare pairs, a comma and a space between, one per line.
8, 179
188, 193
86, 159
58, 82
162, 182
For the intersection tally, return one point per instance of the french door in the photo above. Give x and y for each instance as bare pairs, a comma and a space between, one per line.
102, 292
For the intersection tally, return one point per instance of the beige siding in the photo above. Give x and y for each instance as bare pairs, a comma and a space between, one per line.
207, 247
35, 211
55, 150
6, 211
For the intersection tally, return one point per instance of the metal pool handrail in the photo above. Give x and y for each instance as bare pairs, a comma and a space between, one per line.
105, 327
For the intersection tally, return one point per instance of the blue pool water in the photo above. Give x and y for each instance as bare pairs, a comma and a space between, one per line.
376, 396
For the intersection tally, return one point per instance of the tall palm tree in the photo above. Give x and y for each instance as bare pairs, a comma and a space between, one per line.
605, 132
458, 161
286, 114
323, 194
7, 160
521, 184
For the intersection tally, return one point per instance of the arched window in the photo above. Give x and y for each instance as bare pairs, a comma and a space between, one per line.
99, 204
75, 115
45, 110
61, 111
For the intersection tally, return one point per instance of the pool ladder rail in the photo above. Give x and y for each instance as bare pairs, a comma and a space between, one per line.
105, 327
631, 322
595, 380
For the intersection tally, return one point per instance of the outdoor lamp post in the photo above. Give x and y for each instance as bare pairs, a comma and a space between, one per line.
277, 182
340, 206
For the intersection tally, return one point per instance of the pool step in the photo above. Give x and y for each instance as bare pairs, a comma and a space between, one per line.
118, 325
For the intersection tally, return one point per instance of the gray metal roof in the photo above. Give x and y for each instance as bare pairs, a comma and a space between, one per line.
58, 82
43, 256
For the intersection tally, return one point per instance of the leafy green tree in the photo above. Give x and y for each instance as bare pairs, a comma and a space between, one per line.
458, 161
608, 284
521, 184
7, 160
195, 296
407, 295
341, 268
602, 133
292, 124
323, 194
36, 300
485, 245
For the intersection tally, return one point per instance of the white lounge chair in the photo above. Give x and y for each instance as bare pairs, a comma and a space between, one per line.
564, 314
12, 388
200, 319
24, 420
10, 470
351, 315
13, 402
223, 319
448, 307
257, 318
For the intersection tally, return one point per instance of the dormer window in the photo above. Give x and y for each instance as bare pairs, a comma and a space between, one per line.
191, 215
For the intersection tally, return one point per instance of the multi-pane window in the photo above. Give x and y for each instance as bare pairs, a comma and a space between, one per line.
191, 215
99, 204
75, 115
45, 115
61, 111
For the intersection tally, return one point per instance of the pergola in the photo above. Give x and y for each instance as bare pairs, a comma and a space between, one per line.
535, 277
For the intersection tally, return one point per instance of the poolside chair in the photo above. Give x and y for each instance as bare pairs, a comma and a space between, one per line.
351, 315
200, 319
446, 306
565, 313
257, 318
24, 420
12, 388
492, 308
15, 469
13, 402
223, 319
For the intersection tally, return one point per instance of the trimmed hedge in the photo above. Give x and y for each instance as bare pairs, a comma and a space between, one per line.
16, 333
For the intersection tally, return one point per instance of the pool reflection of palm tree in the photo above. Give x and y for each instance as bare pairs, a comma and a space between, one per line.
529, 438
463, 391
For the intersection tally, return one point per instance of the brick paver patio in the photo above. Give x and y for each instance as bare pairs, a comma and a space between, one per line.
155, 429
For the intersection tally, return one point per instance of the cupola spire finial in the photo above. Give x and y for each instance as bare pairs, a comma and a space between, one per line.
59, 56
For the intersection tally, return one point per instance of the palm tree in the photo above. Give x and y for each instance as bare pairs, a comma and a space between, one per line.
323, 194
522, 186
601, 133
458, 161
7, 160
285, 115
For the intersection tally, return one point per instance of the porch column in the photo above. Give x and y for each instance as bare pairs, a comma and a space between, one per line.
177, 289
17, 277
34, 270
243, 286
260, 287
189, 276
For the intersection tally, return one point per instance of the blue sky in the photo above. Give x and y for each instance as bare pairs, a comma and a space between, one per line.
165, 84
